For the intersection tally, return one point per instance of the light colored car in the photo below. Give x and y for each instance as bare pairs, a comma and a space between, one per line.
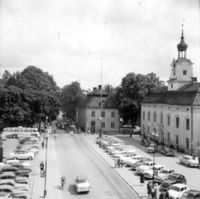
148, 174
21, 155
15, 185
12, 191
131, 160
82, 184
5, 195
12, 175
189, 160
152, 148
162, 175
177, 190
191, 194
124, 151
144, 166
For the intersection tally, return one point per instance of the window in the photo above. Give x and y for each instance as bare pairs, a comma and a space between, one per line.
112, 125
103, 114
187, 124
93, 113
168, 120
143, 115
112, 114
187, 143
161, 118
168, 137
184, 72
149, 115
102, 124
177, 122
172, 86
154, 117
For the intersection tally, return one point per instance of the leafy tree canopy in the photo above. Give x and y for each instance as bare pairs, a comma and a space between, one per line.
71, 96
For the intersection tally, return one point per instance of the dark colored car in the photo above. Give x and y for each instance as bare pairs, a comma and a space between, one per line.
172, 179
191, 194
19, 172
166, 151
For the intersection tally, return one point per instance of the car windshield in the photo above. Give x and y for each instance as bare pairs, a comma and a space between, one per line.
175, 188
80, 180
172, 177
164, 171
188, 195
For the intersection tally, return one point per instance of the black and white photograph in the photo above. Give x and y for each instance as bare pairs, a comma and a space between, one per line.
100, 99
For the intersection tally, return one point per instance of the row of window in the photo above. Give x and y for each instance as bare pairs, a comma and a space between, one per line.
103, 114
112, 125
177, 119
169, 137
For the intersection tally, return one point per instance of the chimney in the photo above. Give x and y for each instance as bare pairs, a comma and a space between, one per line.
100, 87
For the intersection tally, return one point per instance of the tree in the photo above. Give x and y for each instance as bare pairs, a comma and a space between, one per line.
71, 96
131, 92
6, 75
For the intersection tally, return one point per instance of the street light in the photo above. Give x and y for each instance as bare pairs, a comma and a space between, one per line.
46, 154
100, 132
154, 141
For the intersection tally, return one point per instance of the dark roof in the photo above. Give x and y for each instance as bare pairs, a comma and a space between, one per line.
95, 102
98, 92
183, 96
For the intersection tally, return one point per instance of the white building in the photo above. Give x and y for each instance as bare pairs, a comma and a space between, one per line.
171, 115
98, 112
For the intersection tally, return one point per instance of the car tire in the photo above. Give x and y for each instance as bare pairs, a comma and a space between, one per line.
30, 158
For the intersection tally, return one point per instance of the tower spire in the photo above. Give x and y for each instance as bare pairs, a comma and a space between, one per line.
182, 46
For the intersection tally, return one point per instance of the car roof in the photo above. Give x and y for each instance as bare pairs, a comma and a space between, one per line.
176, 174
6, 187
179, 185
9, 173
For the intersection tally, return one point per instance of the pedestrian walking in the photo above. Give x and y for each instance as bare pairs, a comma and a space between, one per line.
115, 163
149, 188
41, 169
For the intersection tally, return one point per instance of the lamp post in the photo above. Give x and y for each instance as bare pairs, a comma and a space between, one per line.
46, 155
100, 131
154, 142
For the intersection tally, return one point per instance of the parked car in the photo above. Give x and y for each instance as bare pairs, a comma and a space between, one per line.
21, 155
189, 160
11, 175
152, 148
12, 182
82, 184
166, 151
12, 191
145, 142
131, 160
144, 166
136, 130
5, 195
150, 173
172, 178
162, 175
191, 194
18, 171
140, 162
177, 190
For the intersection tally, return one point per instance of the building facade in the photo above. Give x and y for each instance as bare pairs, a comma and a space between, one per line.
98, 112
171, 115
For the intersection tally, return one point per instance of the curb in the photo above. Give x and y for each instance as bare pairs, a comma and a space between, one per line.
131, 187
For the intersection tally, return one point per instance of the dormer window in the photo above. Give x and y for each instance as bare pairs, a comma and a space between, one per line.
184, 72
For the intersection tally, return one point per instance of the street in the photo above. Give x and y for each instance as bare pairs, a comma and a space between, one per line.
192, 174
74, 157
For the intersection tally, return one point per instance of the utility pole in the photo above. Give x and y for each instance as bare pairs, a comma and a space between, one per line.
46, 155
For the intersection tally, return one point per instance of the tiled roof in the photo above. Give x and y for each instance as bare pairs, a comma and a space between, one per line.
183, 96
95, 102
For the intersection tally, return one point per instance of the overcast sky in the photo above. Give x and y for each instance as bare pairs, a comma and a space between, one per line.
71, 39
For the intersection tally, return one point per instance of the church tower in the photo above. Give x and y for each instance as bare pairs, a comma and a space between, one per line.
181, 68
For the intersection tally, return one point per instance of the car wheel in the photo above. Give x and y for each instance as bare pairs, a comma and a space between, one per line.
30, 158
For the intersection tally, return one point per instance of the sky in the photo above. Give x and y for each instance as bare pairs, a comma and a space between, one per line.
78, 40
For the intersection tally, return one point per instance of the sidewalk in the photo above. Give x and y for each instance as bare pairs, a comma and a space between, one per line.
52, 181
128, 176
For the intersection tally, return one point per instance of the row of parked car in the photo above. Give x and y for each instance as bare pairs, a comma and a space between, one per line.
170, 181
188, 160
16, 170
